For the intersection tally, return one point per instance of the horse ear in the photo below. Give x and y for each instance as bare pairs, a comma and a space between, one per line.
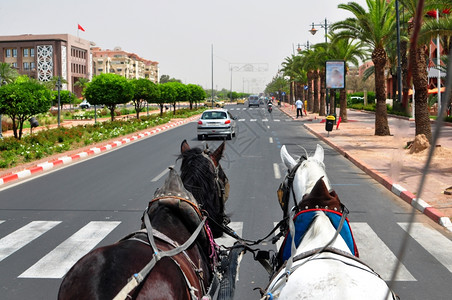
218, 154
184, 146
288, 160
319, 153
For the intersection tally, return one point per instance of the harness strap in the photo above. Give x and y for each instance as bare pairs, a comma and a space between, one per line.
289, 262
137, 278
191, 288
274, 289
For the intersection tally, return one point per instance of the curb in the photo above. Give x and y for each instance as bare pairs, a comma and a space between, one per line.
96, 150
395, 188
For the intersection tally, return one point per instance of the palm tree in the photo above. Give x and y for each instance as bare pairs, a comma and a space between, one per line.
7, 73
375, 29
82, 83
443, 28
418, 61
289, 69
310, 67
293, 68
321, 56
351, 52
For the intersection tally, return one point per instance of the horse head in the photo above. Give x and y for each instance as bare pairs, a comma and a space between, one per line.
203, 176
304, 173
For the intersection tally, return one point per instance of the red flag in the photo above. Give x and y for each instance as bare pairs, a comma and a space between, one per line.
80, 28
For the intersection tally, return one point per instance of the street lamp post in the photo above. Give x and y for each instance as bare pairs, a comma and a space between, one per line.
313, 31
304, 45
59, 89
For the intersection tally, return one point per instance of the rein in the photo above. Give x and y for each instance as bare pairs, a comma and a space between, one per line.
137, 278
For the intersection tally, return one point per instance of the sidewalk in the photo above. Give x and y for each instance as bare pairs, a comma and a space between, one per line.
385, 159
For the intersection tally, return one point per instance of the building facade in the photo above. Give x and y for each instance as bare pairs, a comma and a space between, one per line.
128, 65
45, 56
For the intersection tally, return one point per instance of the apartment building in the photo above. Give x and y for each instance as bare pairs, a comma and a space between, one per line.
128, 65
45, 56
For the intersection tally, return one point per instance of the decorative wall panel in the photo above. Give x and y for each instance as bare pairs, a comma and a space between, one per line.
64, 65
45, 62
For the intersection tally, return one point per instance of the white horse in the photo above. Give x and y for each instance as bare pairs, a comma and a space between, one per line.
315, 271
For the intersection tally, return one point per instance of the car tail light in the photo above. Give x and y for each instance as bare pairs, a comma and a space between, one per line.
199, 122
227, 122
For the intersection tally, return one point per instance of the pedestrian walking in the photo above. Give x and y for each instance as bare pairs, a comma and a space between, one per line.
299, 105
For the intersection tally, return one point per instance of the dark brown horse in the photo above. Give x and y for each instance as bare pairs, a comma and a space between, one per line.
171, 219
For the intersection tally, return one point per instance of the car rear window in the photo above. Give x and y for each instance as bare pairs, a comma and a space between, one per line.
209, 115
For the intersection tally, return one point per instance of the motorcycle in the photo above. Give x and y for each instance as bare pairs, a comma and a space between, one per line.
270, 107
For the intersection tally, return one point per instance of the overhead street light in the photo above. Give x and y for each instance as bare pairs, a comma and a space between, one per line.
313, 31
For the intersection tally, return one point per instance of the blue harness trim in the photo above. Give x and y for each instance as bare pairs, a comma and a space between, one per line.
303, 220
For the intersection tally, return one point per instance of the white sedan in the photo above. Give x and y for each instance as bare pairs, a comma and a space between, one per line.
216, 123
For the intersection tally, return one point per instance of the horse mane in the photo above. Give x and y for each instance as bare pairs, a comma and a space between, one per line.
198, 175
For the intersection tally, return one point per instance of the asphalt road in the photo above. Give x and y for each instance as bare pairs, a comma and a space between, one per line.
47, 221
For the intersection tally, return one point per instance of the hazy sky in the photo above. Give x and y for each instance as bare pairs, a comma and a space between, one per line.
179, 34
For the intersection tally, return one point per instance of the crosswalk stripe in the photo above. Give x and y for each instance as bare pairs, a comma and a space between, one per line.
434, 242
21, 237
374, 251
57, 262
227, 240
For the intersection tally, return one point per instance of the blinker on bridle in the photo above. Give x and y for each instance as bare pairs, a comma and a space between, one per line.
287, 186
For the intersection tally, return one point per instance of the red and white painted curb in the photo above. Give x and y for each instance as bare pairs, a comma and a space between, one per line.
68, 159
395, 188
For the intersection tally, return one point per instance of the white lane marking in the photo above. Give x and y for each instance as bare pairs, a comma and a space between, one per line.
264, 120
270, 140
156, 178
21, 237
1, 221
276, 171
241, 120
276, 120
434, 242
374, 251
227, 240
281, 239
253, 120
57, 262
